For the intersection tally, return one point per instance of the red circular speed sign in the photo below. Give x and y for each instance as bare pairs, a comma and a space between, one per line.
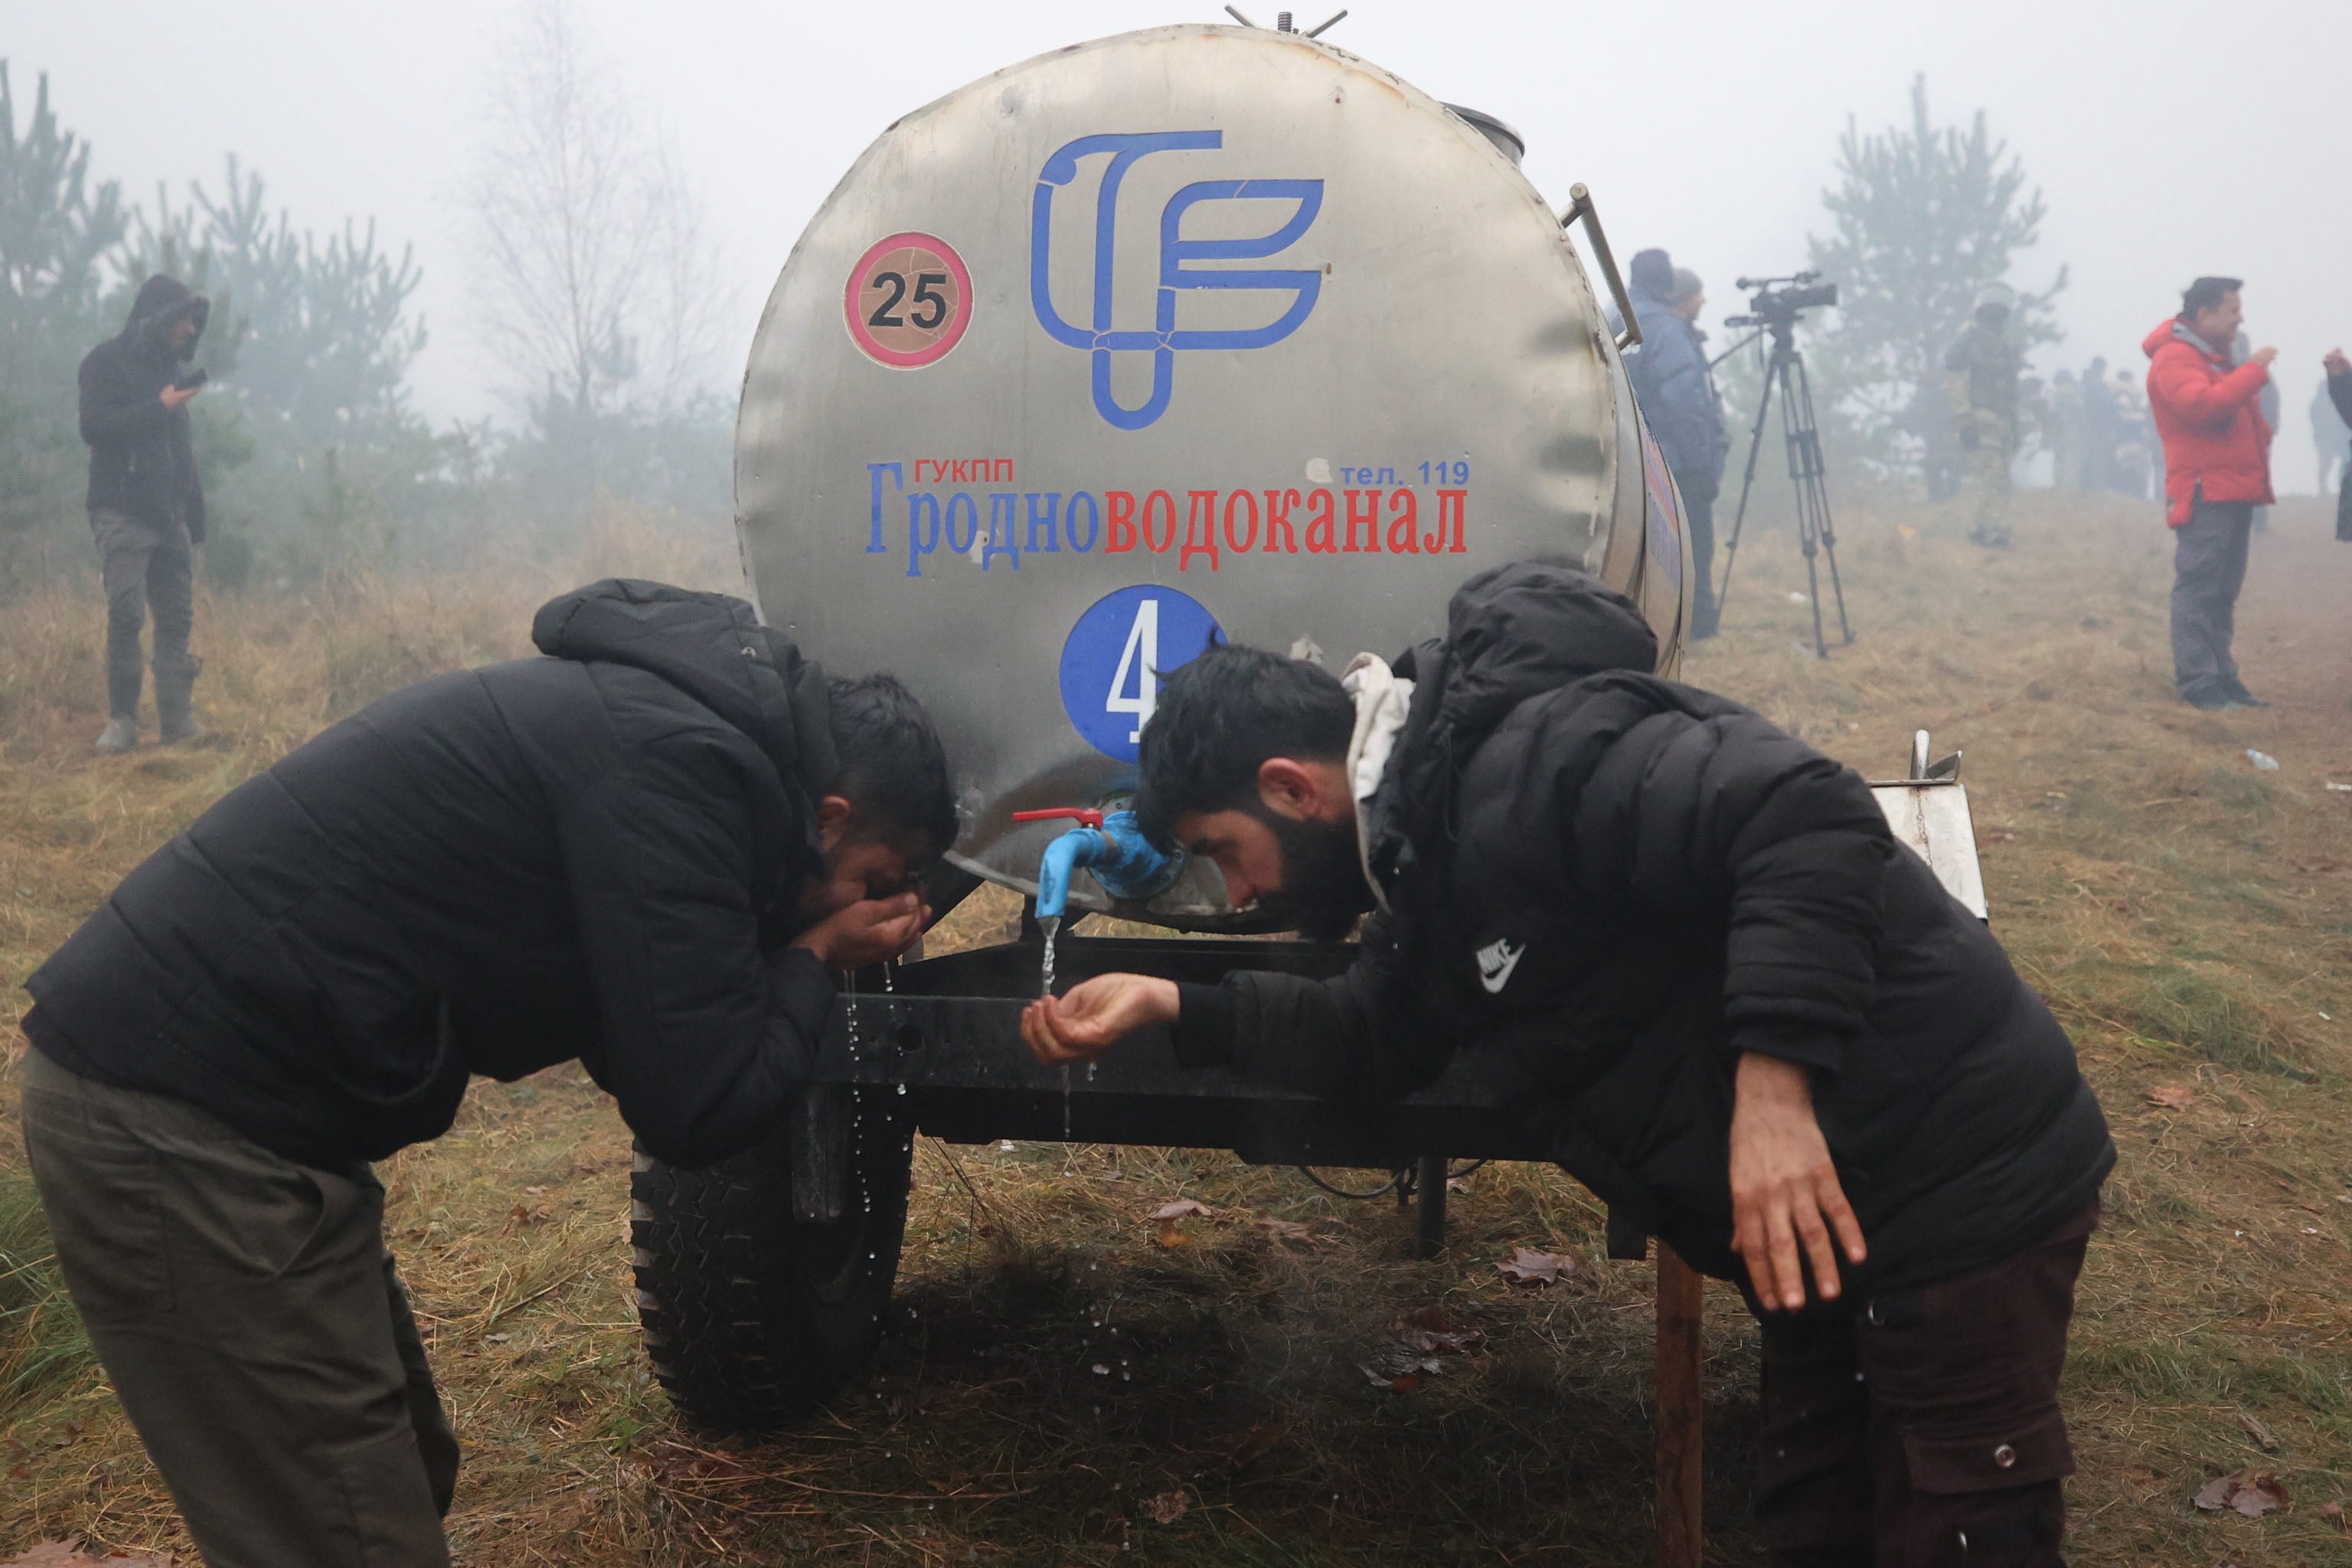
908, 300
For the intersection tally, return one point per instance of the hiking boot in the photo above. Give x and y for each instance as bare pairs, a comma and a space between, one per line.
2209, 702
119, 735
175, 683
2237, 693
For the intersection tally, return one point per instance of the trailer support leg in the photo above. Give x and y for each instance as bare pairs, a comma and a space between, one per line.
1680, 1410
1429, 1212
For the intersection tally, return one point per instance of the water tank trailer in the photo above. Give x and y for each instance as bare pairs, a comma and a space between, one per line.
1193, 332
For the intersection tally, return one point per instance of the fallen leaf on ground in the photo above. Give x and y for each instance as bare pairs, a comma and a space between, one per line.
1528, 1266
2251, 1492
1184, 1208
1286, 1230
1169, 1234
2171, 1097
2260, 1434
2333, 1512
1399, 1372
71, 1553
1168, 1507
1428, 1329
1423, 1340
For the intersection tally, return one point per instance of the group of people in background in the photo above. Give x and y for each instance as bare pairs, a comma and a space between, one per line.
2097, 428
2201, 430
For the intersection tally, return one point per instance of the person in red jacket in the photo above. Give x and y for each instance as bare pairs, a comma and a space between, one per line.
2217, 469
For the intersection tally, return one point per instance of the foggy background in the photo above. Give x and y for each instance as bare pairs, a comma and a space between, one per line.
2169, 139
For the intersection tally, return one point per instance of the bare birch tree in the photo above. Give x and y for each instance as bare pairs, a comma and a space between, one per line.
596, 285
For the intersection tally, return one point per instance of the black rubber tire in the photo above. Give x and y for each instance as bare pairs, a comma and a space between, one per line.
751, 1319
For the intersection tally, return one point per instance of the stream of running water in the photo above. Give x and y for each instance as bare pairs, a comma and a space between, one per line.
1052, 927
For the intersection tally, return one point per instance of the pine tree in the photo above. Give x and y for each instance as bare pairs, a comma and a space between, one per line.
318, 333
1925, 216
57, 231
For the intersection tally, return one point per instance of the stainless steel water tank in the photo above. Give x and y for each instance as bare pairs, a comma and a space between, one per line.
1198, 332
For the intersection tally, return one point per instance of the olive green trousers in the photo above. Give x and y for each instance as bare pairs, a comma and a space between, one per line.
253, 1325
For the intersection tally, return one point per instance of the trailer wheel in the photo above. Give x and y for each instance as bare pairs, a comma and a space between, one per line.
752, 1319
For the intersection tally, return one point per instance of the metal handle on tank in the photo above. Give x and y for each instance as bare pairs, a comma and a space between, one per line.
1579, 206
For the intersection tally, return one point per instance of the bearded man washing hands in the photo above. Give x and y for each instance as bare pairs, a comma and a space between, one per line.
1733, 1004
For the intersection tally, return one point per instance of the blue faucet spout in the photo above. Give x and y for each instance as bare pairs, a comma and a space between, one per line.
1079, 847
1129, 866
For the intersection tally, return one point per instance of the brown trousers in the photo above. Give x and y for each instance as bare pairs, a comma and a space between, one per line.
250, 1319
1922, 1430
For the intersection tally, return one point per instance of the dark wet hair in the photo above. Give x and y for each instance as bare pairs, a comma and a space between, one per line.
2206, 293
893, 771
1220, 716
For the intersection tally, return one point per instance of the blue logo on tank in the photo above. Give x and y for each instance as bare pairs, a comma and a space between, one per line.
1163, 339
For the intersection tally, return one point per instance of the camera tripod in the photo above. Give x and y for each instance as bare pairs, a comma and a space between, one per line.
1784, 374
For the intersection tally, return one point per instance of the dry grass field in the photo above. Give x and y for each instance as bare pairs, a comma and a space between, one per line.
1067, 1383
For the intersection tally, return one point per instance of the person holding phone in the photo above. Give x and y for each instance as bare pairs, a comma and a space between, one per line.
147, 504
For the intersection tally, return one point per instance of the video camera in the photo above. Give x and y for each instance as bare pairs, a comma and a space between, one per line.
1777, 301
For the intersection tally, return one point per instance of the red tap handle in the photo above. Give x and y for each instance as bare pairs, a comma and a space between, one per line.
1085, 816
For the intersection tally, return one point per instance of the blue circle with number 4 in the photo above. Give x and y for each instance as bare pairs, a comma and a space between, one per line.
1114, 657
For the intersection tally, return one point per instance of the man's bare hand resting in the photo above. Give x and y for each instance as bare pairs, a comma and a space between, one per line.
1094, 1016
1784, 1191
871, 931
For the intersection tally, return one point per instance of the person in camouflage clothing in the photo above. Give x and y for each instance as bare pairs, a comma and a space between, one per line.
1980, 373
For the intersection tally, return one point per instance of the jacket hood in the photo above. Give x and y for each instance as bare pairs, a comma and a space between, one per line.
160, 301
1516, 631
713, 648
2173, 330
1511, 633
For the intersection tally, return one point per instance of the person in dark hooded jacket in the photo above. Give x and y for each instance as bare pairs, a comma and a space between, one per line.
146, 504
645, 850
1731, 1002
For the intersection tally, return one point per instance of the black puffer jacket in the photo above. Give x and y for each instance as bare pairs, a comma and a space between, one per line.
592, 855
141, 461
1619, 884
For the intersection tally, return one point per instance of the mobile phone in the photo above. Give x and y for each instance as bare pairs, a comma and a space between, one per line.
193, 380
